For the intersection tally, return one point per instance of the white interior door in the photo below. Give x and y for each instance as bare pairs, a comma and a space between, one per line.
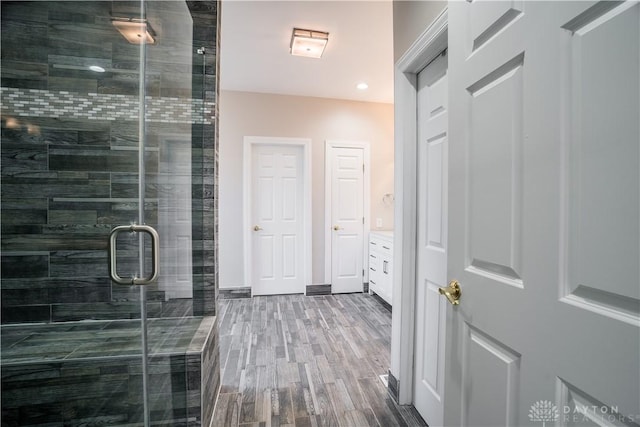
431, 272
174, 218
277, 206
544, 214
347, 219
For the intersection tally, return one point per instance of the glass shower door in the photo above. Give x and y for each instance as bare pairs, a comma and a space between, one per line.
71, 96
167, 175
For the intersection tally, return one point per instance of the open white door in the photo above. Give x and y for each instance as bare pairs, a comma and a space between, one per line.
277, 215
428, 384
544, 214
174, 218
347, 218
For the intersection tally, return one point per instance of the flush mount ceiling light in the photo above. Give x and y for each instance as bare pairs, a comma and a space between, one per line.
362, 86
309, 43
97, 68
136, 31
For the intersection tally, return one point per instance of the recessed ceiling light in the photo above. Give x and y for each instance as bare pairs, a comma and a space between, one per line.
362, 86
96, 68
309, 43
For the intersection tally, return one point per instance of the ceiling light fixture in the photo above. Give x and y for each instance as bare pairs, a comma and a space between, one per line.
96, 68
136, 31
362, 86
309, 43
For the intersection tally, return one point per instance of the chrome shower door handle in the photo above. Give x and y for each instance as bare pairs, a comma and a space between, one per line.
113, 272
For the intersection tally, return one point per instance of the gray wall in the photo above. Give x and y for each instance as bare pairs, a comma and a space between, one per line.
410, 19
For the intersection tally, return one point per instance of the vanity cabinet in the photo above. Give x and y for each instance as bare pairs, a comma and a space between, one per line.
381, 264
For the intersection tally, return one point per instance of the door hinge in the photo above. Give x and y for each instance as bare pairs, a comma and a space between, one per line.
363, 272
363, 168
363, 220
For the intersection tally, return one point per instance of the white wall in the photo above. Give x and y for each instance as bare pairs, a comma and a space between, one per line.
410, 19
256, 114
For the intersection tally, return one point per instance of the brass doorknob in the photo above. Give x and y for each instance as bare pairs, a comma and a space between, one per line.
337, 227
452, 292
257, 228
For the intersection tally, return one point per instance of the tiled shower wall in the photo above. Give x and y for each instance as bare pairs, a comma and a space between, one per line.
69, 164
205, 151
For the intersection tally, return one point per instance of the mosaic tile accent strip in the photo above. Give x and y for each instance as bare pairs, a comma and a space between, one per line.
94, 106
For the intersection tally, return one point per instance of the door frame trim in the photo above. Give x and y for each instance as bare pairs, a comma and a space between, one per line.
425, 48
249, 143
330, 144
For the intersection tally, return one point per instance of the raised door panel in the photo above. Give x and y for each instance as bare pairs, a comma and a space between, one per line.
431, 369
349, 249
600, 263
491, 373
266, 247
488, 18
604, 177
290, 256
290, 205
495, 173
266, 199
348, 209
435, 186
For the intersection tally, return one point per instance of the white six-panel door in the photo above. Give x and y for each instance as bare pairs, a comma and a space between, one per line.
277, 192
431, 264
544, 217
347, 219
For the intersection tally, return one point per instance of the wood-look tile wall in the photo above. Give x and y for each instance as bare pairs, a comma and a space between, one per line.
69, 174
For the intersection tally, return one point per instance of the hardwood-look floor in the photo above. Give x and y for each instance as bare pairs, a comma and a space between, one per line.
292, 360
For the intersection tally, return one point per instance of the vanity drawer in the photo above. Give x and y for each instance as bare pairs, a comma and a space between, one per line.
381, 246
380, 268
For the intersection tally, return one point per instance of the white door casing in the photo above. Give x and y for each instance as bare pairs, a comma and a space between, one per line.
347, 206
432, 230
277, 215
426, 48
544, 213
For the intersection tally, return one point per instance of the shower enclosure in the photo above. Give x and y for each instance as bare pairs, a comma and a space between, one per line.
108, 212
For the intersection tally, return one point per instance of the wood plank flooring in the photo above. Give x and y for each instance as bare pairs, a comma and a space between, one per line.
292, 360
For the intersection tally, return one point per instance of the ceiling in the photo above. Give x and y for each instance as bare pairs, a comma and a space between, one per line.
254, 48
